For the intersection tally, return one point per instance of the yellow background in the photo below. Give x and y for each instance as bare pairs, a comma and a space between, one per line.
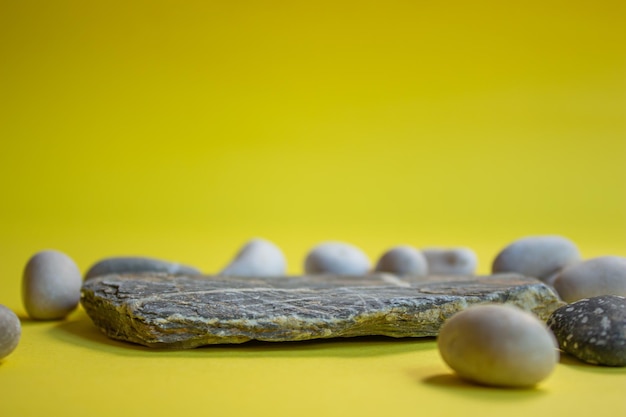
180, 129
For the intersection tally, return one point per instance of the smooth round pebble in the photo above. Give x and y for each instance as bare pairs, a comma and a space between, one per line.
50, 285
137, 264
257, 258
10, 331
499, 345
450, 261
336, 258
605, 275
541, 257
593, 329
403, 260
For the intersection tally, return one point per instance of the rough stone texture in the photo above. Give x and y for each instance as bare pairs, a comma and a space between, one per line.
593, 329
161, 310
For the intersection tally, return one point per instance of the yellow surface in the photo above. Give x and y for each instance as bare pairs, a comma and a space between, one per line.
180, 129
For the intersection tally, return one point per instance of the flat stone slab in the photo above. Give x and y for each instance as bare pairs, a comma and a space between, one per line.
167, 311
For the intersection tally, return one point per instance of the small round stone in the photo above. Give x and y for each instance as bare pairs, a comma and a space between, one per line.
605, 275
10, 331
50, 285
450, 261
257, 258
137, 264
593, 329
541, 257
336, 258
498, 345
403, 260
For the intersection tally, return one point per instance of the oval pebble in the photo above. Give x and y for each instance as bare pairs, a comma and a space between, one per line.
605, 275
499, 345
593, 329
257, 258
450, 261
403, 260
10, 331
137, 264
541, 257
50, 285
336, 258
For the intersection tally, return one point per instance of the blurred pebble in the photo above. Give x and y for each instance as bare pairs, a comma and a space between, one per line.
10, 331
541, 257
403, 260
498, 345
50, 285
336, 258
450, 261
605, 275
257, 258
137, 264
593, 329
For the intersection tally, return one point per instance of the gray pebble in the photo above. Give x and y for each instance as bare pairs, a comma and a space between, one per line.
129, 264
593, 329
403, 260
336, 258
10, 331
50, 285
605, 275
257, 258
450, 261
541, 257
498, 345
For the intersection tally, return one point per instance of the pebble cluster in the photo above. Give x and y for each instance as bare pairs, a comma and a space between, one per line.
494, 345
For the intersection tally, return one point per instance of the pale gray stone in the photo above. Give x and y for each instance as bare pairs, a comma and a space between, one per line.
336, 258
257, 258
498, 345
130, 264
10, 331
161, 310
451, 261
50, 285
541, 257
403, 260
593, 329
605, 275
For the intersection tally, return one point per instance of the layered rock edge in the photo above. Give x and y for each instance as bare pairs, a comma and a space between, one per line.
167, 311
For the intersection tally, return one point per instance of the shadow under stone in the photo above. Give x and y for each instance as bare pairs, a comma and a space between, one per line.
458, 386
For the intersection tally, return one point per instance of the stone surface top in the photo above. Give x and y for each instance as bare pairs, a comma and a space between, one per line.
160, 310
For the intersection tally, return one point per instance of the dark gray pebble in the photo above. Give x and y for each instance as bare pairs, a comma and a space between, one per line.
122, 265
593, 329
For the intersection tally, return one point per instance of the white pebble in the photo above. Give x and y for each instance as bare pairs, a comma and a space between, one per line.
541, 257
257, 258
605, 275
450, 261
403, 260
336, 258
10, 331
498, 345
50, 285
